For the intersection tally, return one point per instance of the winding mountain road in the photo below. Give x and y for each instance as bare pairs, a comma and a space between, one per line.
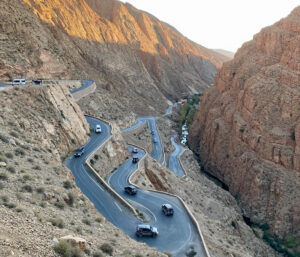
177, 233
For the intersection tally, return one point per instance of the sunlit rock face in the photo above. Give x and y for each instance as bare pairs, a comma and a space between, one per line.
247, 129
138, 59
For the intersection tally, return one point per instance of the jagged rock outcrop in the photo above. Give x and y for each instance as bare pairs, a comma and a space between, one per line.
247, 129
48, 113
130, 54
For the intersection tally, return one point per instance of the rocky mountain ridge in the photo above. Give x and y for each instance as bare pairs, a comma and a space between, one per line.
133, 57
247, 131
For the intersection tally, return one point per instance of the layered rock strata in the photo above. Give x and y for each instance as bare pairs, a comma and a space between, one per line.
247, 129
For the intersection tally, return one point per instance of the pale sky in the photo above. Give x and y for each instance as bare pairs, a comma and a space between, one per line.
224, 24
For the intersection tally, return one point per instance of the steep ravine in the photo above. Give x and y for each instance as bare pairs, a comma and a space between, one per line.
247, 131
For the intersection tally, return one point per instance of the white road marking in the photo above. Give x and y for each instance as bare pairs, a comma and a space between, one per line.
118, 206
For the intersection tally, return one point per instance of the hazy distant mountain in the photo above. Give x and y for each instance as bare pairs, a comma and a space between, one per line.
225, 52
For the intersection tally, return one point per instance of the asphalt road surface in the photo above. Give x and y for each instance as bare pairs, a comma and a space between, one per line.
173, 161
177, 233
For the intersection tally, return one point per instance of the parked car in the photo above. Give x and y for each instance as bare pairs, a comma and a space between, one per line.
135, 159
17, 82
98, 128
37, 81
167, 209
79, 151
134, 150
146, 230
131, 190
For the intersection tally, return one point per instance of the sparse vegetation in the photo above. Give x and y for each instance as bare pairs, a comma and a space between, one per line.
71, 199
40, 190
287, 246
65, 249
86, 221
27, 188
9, 155
19, 152
67, 184
3, 139
97, 254
14, 134
11, 169
57, 222
3, 176
107, 248
60, 205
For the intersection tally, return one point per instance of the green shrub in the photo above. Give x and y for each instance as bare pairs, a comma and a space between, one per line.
57, 222
65, 249
71, 199
9, 155
20, 152
97, 254
60, 205
10, 205
37, 167
11, 169
4, 198
107, 248
30, 160
27, 188
96, 157
67, 184
27, 177
3, 139
86, 221
40, 190
1, 186
3, 176
98, 219
14, 134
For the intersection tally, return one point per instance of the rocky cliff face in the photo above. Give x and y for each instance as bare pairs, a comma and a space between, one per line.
48, 114
247, 129
132, 55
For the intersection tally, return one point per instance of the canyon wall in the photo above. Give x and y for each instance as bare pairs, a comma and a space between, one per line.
247, 129
132, 56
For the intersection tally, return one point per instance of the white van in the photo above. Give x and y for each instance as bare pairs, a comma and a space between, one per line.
17, 82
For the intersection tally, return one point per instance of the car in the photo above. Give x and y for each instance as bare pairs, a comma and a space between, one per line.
146, 230
135, 159
17, 82
98, 128
154, 141
152, 132
131, 190
167, 209
79, 151
134, 150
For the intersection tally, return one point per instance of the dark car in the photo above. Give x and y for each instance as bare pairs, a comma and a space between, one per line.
146, 230
135, 159
167, 209
79, 151
131, 190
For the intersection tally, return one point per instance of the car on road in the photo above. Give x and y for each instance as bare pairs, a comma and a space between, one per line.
98, 128
167, 209
134, 150
17, 82
154, 141
146, 230
79, 151
131, 190
135, 159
